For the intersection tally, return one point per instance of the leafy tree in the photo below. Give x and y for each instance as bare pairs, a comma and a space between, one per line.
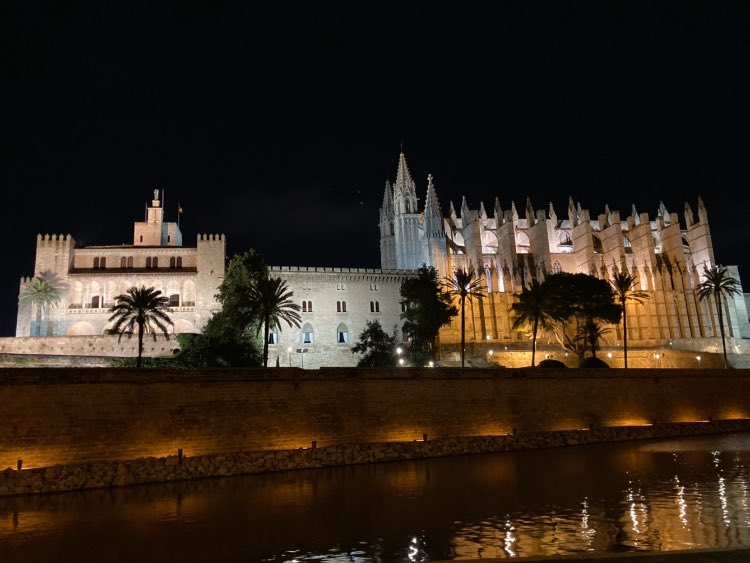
235, 294
534, 310
219, 345
578, 300
465, 284
717, 283
273, 299
141, 310
41, 292
624, 286
427, 310
376, 346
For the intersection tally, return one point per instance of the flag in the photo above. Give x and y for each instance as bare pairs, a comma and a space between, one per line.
179, 208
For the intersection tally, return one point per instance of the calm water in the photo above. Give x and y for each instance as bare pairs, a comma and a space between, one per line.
663, 495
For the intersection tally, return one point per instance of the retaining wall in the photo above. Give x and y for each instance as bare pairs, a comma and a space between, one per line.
98, 422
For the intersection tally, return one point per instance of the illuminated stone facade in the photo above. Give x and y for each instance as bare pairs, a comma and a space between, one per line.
89, 278
510, 250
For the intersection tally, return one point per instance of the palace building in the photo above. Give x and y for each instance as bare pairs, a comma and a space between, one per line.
89, 278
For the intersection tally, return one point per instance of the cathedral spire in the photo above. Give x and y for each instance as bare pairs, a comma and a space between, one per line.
405, 191
387, 209
433, 216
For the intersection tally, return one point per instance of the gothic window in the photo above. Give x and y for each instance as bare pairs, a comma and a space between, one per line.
307, 334
304, 306
148, 262
340, 287
556, 267
342, 334
130, 262
307, 306
123, 262
172, 262
565, 239
393, 232
174, 300
96, 263
179, 262
155, 262
103, 262
372, 306
94, 301
272, 337
343, 306
488, 276
373, 287
141, 239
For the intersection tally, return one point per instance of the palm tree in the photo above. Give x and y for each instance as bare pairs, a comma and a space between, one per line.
592, 332
273, 299
534, 308
465, 284
42, 293
140, 309
624, 285
719, 284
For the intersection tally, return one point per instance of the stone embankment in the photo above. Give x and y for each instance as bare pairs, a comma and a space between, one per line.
103, 474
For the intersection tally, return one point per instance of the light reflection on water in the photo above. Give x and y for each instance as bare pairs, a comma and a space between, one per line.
662, 495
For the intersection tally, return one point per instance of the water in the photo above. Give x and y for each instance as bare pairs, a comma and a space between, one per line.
639, 496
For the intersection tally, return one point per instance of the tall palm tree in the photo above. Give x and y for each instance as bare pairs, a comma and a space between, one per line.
465, 284
142, 310
718, 283
624, 285
42, 293
533, 309
273, 299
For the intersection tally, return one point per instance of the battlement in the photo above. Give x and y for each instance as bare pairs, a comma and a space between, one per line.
53, 238
332, 270
210, 237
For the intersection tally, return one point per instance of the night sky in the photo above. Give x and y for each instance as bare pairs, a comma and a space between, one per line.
280, 128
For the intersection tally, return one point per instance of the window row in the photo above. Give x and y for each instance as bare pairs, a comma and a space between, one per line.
340, 306
175, 262
307, 335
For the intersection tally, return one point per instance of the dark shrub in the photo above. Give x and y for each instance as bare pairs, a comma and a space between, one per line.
592, 362
556, 364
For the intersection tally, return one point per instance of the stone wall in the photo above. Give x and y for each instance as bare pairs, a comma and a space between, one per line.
61, 416
101, 346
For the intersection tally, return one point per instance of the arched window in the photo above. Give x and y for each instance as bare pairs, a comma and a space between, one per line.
272, 337
343, 306
130, 262
598, 248
123, 262
338, 306
556, 267
488, 276
148, 262
103, 262
179, 261
174, 300
309, 306
96, 263
307, 335
342, 334
155, 262
172, 262
372, 306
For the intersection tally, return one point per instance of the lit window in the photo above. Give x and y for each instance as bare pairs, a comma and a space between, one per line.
272, 338
307, 334
174, 300
342, 334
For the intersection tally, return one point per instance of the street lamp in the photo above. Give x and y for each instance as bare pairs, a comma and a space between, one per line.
400, 351
699, 360
302, 351
289, 351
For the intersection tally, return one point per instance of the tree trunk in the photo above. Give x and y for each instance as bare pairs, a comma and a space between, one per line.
265, 342
138, 361
533, 341
38, 320
625, 335
721, 328
463, 330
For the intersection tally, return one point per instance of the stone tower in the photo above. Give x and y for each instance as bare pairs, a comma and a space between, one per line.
406, 219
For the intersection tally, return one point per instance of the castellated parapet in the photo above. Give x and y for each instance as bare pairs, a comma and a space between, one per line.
89, 278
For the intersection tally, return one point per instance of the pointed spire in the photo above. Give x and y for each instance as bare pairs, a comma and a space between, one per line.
452, 212
702, 213
689, 217
404, 183
433, 216
530, 220
465, 212
552, 214
607, 215
387, 209
572, 215
498, 213
513, 211
663, 211
635, 216
482, 212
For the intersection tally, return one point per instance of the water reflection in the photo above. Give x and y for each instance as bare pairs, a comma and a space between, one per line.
665, 495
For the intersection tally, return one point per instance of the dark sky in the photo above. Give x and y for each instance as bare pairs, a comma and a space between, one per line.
280, 128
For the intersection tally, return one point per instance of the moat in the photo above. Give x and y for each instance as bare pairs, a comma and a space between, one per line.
685, 493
